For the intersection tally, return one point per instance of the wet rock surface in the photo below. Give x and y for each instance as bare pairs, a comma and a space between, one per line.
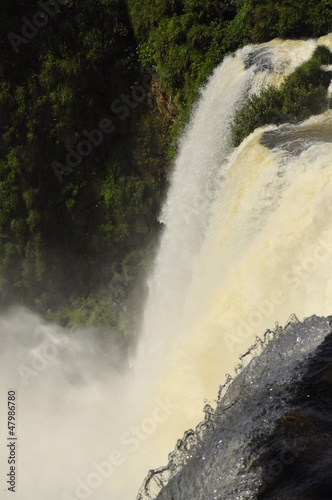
306, 471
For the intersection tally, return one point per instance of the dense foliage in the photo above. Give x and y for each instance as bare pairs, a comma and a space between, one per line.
93, 95
68, 230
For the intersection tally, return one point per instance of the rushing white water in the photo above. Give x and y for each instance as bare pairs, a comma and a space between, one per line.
247, 242
259, 255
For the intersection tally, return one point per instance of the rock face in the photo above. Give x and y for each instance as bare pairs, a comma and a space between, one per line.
306, 473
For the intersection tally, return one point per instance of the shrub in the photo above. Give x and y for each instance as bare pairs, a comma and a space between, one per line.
303, 93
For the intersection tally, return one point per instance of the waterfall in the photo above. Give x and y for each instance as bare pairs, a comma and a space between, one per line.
247, 241
258, 252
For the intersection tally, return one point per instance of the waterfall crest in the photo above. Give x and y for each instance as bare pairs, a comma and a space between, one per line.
222, 458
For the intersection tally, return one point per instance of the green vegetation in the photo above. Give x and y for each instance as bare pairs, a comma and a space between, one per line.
62, 243
285, 19
304, 93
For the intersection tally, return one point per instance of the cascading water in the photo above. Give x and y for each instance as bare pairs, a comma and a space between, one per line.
247, 242
265, 249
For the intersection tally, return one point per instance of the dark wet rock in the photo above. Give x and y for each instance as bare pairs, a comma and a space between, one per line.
260, 58
307, 430
296, 140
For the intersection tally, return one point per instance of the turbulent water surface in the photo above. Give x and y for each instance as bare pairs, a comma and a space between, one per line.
235, 453
247, 242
